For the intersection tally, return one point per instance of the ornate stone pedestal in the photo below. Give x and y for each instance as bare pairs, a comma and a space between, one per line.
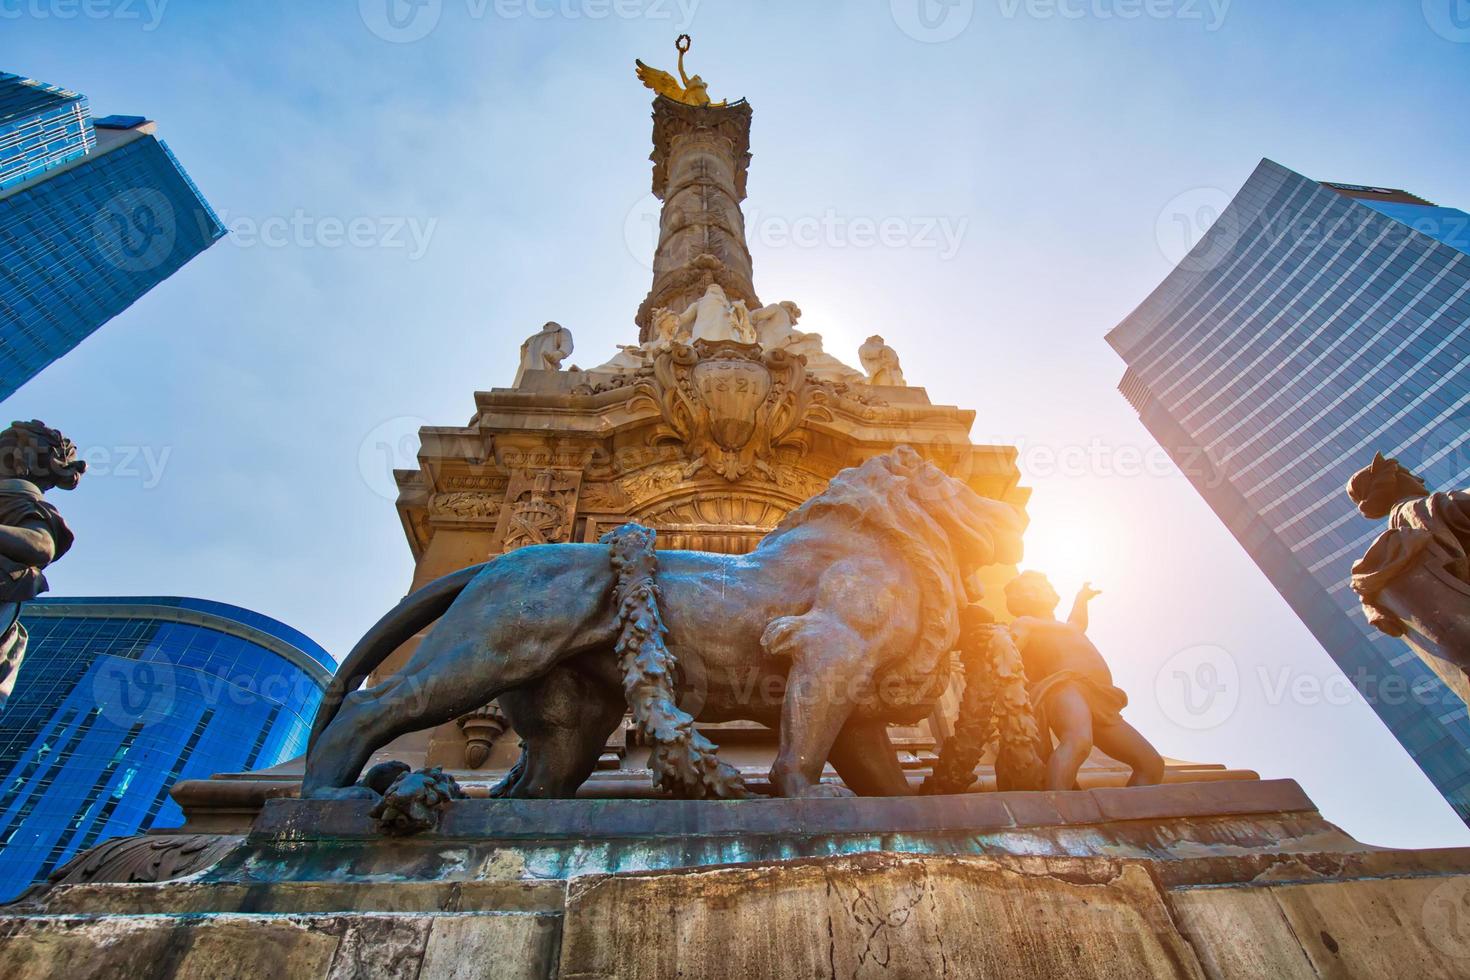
1225, 879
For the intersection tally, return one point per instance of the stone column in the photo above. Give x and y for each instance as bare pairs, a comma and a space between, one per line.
700, 159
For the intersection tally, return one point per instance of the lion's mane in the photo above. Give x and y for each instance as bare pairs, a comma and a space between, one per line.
874, 501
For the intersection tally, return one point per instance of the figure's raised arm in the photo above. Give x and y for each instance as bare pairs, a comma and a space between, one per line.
683, 44
687, 318
1086, 594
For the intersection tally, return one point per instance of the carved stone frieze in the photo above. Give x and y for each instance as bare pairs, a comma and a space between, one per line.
596, 384
453, 481
467, 505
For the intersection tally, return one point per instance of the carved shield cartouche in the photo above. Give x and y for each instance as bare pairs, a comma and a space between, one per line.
733, 392
730, 404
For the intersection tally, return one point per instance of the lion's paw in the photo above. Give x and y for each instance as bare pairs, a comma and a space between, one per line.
780, 636
413, 802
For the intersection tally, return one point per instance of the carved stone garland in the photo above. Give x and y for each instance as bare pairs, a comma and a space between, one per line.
684, 762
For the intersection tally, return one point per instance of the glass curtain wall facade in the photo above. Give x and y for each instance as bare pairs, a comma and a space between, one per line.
83, 240
41, 126
118, 699
1313, 325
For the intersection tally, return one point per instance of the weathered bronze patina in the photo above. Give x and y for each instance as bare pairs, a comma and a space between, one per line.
840, 623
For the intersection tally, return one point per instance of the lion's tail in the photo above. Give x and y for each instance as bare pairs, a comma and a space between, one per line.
417, 610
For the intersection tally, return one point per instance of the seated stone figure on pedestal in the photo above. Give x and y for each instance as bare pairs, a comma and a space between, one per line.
1072, 688
714, 317
1414, 582
544, 350
881, 363
775, 327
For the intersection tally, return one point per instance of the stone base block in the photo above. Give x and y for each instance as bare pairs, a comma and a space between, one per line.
1203, 880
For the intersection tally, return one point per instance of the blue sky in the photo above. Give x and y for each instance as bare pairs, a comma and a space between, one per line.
1031, 160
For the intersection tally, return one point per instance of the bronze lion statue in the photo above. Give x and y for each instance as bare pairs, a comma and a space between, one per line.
841, 622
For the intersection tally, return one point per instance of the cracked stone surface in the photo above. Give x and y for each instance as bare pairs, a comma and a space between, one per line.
876, 915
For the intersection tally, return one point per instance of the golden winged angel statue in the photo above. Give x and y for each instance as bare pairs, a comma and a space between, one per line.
694, 91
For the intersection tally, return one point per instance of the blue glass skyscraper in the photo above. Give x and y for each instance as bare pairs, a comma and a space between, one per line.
92, 216
1313, 325
41, 126
120, 698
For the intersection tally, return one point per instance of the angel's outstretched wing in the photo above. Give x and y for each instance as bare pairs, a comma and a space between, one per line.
660, 81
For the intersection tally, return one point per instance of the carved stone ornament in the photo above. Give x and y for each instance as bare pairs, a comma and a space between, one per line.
731, 404
481, 728
464, 505
538, 510
145, 858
